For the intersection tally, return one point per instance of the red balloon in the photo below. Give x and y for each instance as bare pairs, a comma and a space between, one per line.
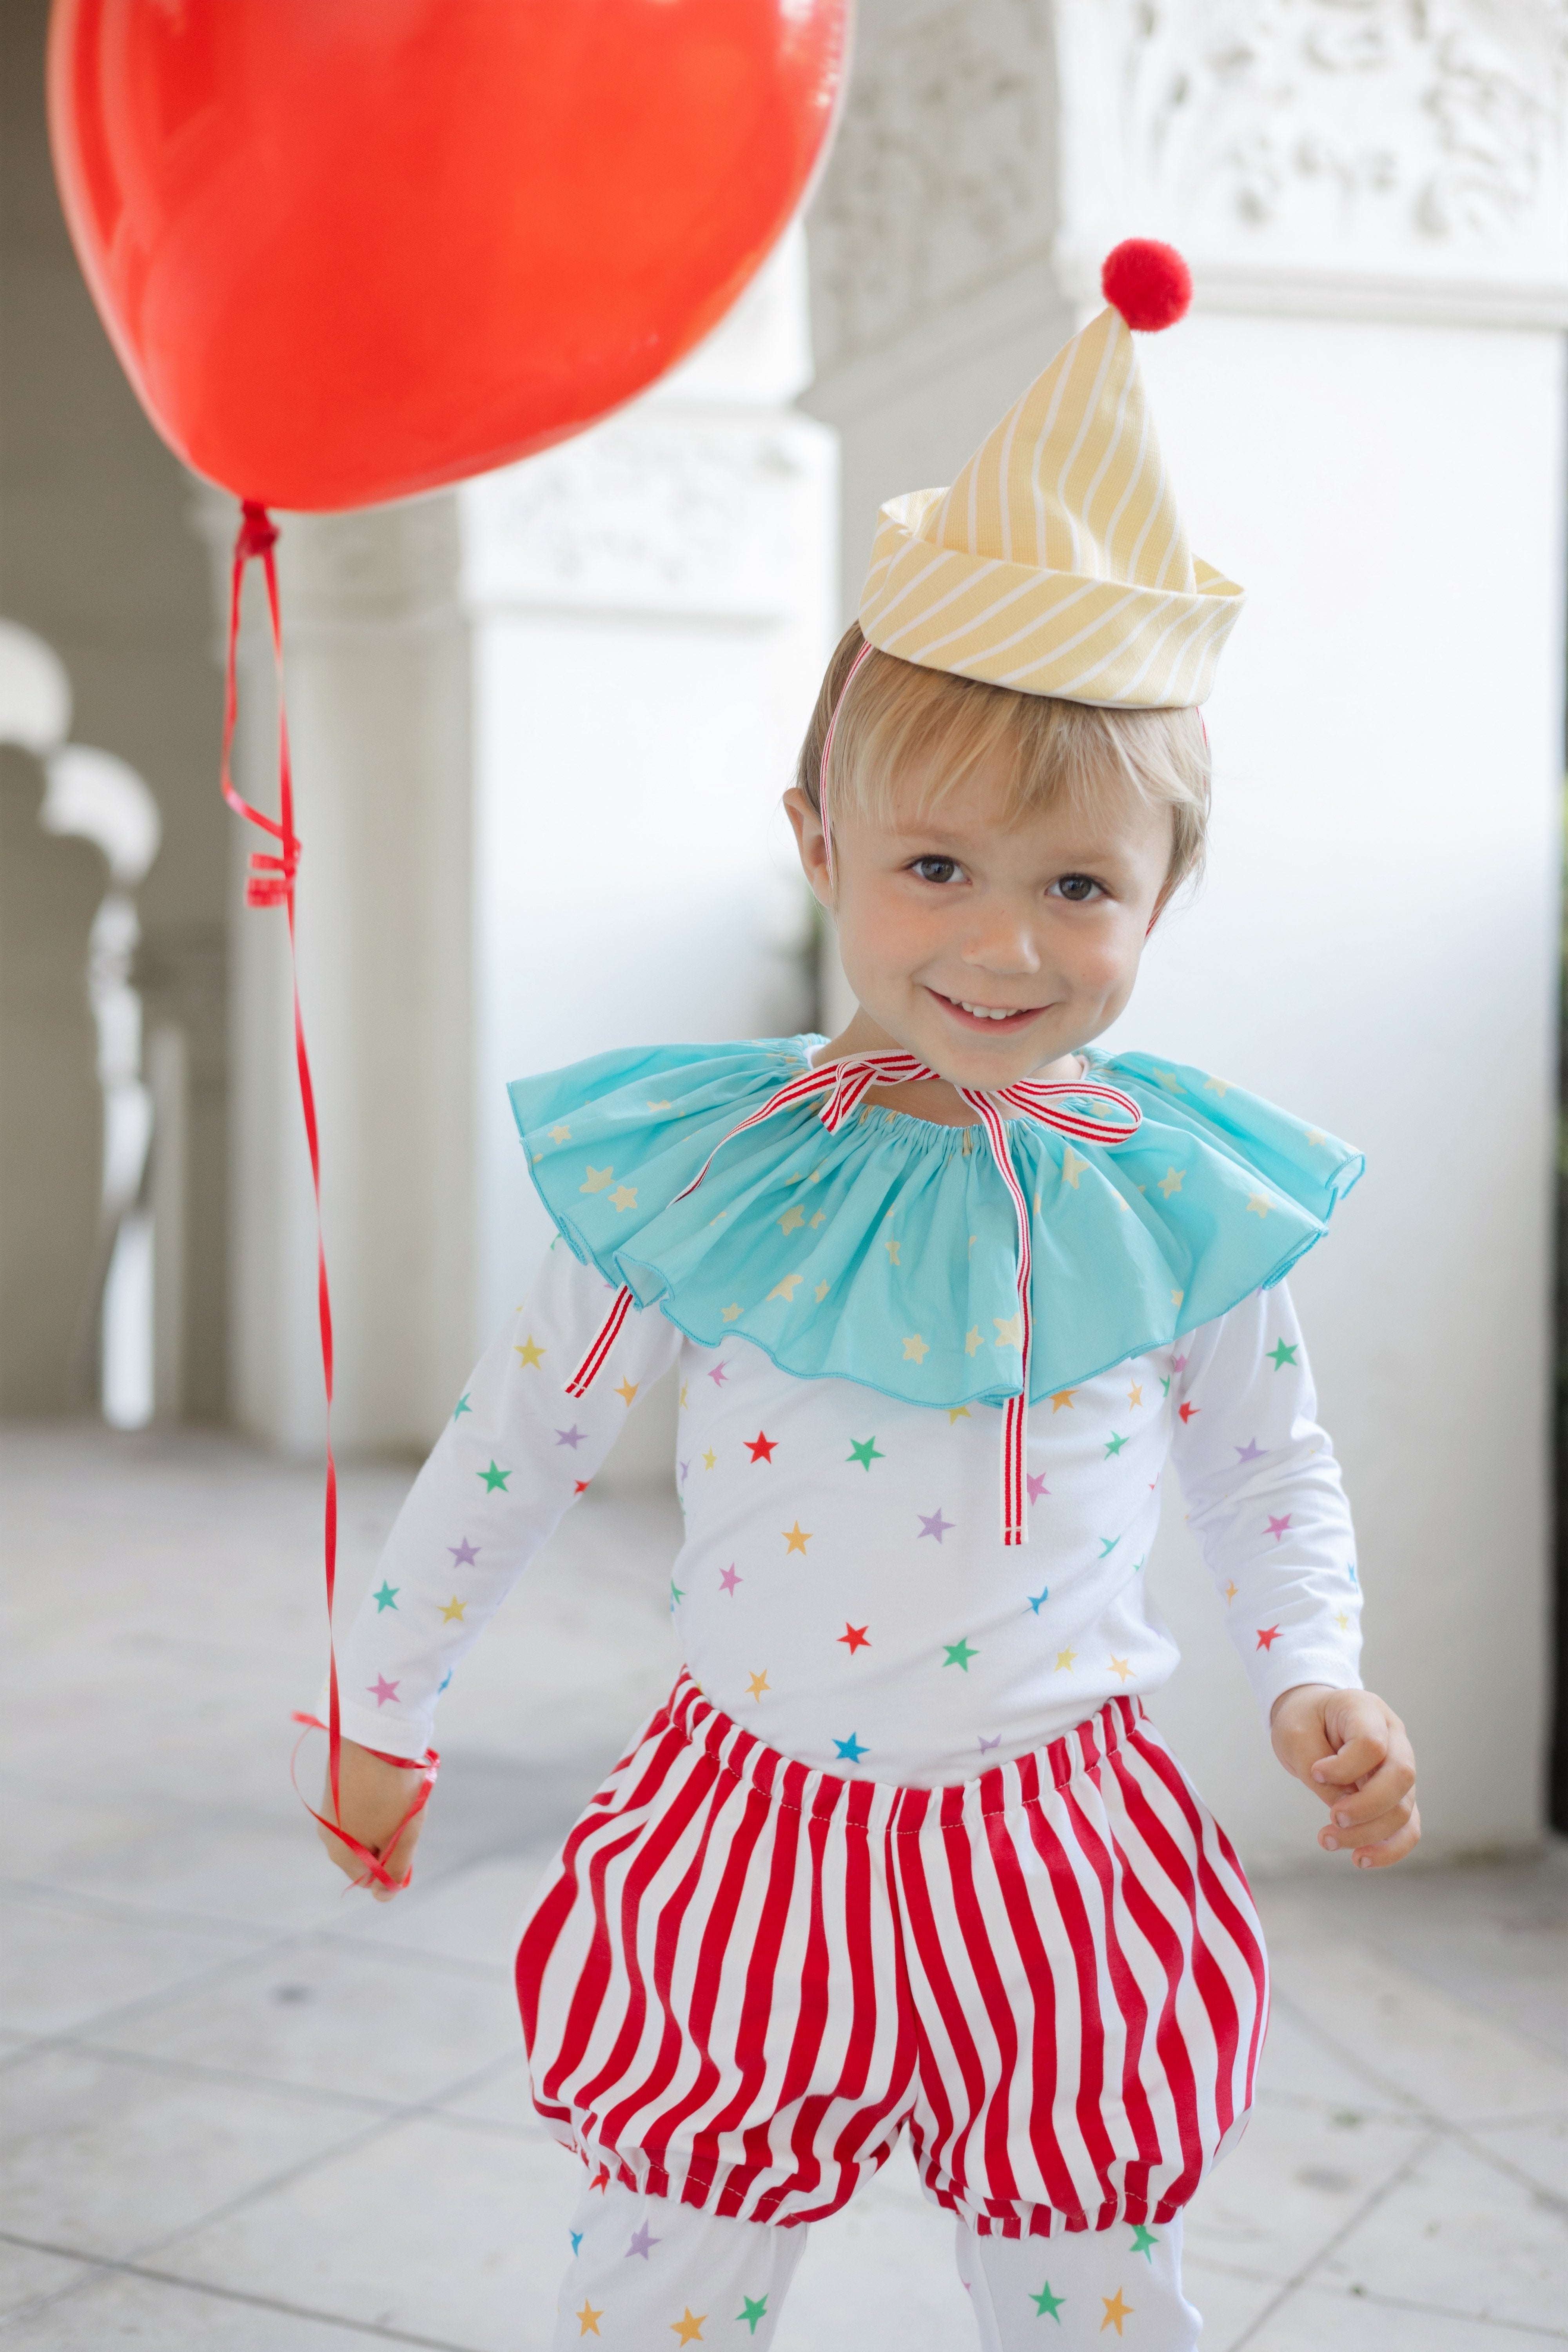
350, 249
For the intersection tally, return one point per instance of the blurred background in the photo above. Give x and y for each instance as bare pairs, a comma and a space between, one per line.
542, 724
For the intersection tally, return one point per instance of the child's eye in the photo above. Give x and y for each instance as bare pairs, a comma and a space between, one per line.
936, 869
1079, 888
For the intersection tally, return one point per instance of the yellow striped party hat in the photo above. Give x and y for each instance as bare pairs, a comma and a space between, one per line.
1057, 563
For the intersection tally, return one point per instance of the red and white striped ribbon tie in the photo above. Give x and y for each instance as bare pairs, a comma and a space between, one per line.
845, 1084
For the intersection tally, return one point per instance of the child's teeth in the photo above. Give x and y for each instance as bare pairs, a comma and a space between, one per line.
985, 1012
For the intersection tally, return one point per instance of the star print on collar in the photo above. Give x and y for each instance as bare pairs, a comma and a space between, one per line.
1279, 1356
493, 1477
972, 1339
387, 1597
795, 1539
1116, 2311
753, 2311
1266, 1636
383, 1689
530, 1350
863, 1451
688, 2330
730, 1312
1037, 1599
1010, 1329
1277, 1527
729, 1580
757, 1684
850, 1750
1251, 1452
572, 1438
1142, 2240
462, 1407
959, 1655
934, 1524
1170, 1182
463, 1554
641, 2243
1072, 1166
453, 1611
1036, 1485
855, 1636
916, 1349
760, 1447
1048, 2305
588, 2318
791, 1220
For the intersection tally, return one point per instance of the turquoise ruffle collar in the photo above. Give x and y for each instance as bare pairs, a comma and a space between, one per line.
885, 1254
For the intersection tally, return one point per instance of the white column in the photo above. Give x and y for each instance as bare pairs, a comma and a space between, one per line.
652, 608
1363, 419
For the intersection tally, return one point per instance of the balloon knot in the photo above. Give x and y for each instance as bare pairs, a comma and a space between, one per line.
1148, 283
258, 531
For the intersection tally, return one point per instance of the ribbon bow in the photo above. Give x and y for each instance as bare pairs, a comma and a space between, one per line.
845, 1085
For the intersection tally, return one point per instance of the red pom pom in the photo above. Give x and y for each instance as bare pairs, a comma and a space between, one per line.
1148, 283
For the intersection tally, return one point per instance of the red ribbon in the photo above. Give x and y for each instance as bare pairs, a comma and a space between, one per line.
270, 883
428, 1764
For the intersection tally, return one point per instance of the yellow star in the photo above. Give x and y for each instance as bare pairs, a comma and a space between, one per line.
597, 1178
709, 1458
820, 1293
453, 1611
1135, 1394
973, 1340
625, 1196
661, 1106
1170, 1182
791, 1218
1230, 1592
530, 1350
1220, 1086
683, 1386
1116, 2311
1064, 1396
757, 1684
1316, 1135
588, 2319
1072, 1166
1258, 1200
1177, 1296
1065, 1659
957, 1412
560, 1135
1120, 1666
627, 1391
688, 2330
820, 1219
796, 1540
1122, 1203
1009, 1332
730, 1312
787, 1289
892, 1246
1343, 1620
916, 1349
1169, 1079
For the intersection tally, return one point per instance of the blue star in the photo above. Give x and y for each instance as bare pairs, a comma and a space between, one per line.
444, 1681
387, 1597
576, 2242
1351, 1572
850, 1749
1035, 1598
1108, 1545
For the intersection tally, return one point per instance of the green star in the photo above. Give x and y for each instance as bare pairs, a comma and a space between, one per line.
752, 2312
1165, 1387
463, 1406
864, 1452
493, 1477
1280, 1356
1048, 2305
387, 1597
1115, 1446
959, 1655
1142, 2240
676, 1594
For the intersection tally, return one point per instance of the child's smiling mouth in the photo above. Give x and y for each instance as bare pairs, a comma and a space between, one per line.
973, 1016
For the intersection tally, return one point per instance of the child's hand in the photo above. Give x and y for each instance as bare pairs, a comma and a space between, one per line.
375, 1796
1350, 1749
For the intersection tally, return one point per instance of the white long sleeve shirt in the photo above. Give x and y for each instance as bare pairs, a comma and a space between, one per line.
843, 1589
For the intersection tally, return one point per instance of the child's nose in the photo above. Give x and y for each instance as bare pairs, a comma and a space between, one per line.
1004, 944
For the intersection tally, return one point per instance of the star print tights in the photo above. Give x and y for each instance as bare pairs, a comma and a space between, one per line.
647, 2274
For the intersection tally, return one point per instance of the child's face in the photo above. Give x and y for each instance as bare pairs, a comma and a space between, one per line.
947, 921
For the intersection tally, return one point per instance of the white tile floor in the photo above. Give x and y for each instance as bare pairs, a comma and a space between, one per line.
242, 2113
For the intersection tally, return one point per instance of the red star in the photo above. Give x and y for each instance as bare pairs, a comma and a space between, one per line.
1277, 1527
601, 2178
856, 1637
1185, 1411
761, 1448
1266, 1636
580, 1487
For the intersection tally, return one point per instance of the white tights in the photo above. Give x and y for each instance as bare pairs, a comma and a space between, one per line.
647, 2275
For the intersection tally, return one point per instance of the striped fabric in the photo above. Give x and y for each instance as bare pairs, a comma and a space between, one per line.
743, 1977
1057, 563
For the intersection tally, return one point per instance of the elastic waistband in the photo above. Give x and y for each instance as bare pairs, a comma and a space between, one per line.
885, 1805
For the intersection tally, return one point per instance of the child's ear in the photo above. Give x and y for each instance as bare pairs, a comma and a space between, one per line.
809, 841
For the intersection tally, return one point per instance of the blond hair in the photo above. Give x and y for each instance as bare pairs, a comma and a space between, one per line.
902, 720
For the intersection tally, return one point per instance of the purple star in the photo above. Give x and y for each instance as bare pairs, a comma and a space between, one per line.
990, 1743
463, 1554
935, 1525
1037, 1485
383, 1689
572, 1438
684, 1468
729, 1580
1251, 1450
719, 1375
640, 2243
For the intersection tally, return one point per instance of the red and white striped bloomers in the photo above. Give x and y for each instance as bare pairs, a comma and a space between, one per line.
743, 1977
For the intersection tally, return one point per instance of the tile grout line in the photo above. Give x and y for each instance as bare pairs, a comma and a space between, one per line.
1395, 2180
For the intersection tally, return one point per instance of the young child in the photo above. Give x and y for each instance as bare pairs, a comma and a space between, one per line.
902, 1849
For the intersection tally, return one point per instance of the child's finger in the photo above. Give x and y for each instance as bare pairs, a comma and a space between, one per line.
1353, 1762
1393, 1781
1403, 1836
1389, 1824
397, 1860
